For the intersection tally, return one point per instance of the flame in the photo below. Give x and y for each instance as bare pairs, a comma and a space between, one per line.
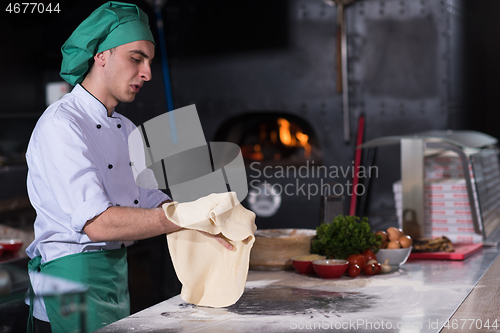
285, 136
290, 140
303, 142
286, 133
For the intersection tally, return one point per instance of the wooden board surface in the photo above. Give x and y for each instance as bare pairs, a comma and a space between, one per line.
480, 306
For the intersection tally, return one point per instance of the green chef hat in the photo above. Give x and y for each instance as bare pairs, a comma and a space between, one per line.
113, 24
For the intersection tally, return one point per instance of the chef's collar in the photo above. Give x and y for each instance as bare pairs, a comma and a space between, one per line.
94, 105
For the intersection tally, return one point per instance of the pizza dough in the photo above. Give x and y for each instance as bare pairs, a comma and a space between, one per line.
211, 275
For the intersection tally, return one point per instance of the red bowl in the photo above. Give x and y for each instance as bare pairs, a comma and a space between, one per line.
303, 265
330, 268
11, 244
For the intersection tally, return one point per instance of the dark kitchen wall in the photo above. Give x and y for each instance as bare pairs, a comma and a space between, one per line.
482, 70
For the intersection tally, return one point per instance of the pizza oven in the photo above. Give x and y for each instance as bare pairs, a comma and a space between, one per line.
282, 156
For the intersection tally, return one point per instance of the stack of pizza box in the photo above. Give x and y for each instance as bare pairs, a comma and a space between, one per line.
446, 200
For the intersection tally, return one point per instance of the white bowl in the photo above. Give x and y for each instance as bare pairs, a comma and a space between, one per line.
397, 257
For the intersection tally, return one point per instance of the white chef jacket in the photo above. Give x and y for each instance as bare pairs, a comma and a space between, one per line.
78, 166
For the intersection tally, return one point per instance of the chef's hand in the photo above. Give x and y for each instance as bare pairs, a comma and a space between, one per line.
221, 239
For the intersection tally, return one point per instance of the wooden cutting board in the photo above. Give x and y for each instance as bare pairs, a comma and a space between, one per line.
462, 251
274, 248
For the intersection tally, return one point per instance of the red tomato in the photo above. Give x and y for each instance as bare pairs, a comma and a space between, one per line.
370, 269
357, 259
354, 270
378, 268
368, 254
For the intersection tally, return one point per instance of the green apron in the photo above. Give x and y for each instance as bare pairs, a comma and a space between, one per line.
107, 299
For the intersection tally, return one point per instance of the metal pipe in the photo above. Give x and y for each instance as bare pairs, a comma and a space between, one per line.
166, 72
345, 87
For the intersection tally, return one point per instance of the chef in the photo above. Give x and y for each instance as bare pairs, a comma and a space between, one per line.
80, 179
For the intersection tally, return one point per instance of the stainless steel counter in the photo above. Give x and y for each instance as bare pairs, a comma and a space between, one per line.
420, 297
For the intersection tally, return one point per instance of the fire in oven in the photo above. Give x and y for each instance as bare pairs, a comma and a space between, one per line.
282, 159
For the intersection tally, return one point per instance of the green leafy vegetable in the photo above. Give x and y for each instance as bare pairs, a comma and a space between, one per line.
346, 235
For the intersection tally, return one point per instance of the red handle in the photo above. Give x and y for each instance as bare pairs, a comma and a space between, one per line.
357, 162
